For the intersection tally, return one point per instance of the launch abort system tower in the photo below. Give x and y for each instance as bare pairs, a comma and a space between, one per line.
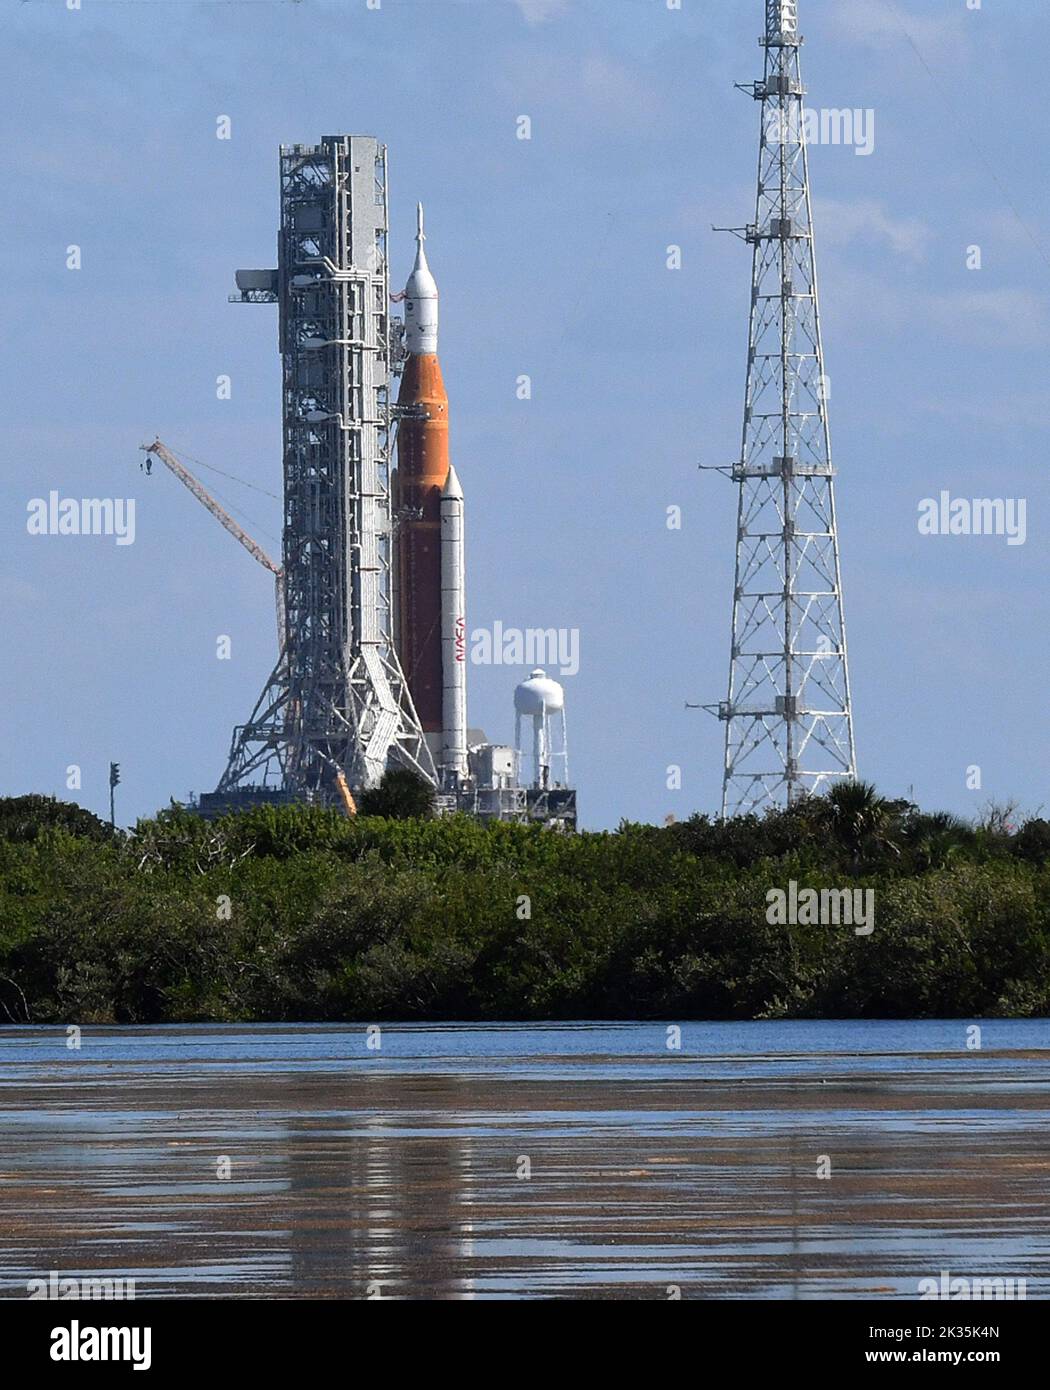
789, 727
336, 708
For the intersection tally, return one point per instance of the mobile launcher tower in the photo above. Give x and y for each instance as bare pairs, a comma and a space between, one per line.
372, 668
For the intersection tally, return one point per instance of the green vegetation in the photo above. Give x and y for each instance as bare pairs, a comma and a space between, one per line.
401, 796
295, 913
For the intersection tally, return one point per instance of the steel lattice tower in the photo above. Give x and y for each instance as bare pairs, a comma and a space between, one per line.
789, 728
336, 708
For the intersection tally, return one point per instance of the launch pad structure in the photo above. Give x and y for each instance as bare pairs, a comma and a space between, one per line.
337, 701
338, 710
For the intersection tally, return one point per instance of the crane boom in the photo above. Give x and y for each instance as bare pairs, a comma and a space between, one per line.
203, 495
253, 548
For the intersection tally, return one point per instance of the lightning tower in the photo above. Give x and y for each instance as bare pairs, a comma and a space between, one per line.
336, 708
789, 728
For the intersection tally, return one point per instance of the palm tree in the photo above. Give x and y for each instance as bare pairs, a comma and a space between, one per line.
861, 820
934, 836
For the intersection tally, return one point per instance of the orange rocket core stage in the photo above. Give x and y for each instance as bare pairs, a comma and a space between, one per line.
422, 468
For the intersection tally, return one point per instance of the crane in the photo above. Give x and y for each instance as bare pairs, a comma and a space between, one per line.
252, 547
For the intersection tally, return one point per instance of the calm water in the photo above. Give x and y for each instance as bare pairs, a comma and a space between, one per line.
568, 1160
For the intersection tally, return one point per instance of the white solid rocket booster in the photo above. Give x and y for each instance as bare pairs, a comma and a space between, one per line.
453, 631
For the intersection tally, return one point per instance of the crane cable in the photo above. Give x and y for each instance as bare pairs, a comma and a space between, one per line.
232, 476
989, 165
227, 503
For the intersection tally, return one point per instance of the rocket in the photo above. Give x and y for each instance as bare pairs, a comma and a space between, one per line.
429, 567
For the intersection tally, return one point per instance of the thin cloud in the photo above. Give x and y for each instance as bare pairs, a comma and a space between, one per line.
540, 11
1001, 318
840, 223
887, 24
589, 94
612, 89
997, 410
19, 593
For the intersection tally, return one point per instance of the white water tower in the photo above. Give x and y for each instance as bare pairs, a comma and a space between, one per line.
541, 700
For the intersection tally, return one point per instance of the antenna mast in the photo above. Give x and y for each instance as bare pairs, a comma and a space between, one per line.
789, 728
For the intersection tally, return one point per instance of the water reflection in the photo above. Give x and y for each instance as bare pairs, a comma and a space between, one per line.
553, 1162
376, 1214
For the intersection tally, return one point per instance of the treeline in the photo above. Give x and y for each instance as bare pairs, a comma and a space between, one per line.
302, 914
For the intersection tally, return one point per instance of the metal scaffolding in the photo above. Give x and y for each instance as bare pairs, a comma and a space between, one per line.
789, 727
336, 703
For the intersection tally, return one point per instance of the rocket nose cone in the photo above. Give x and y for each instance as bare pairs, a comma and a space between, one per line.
452, 489
420, 281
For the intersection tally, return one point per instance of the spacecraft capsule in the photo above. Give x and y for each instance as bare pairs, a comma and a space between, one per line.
421, 299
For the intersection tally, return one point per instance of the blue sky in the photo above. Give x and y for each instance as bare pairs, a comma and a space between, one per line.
551, 258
